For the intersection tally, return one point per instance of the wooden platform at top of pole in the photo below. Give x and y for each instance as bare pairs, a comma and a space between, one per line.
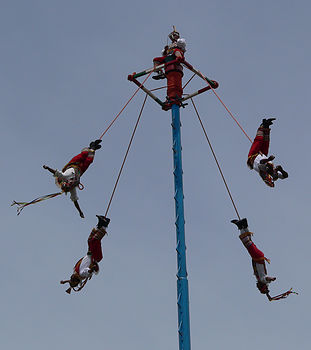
165, 105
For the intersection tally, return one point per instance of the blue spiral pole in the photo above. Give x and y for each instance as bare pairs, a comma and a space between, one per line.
182, 281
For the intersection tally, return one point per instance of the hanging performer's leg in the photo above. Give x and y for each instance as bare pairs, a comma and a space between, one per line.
95, 237
261, 141
83, 160
258, 257
94, 244
258, 158
245, 236
258, 261
69, 178
86, 266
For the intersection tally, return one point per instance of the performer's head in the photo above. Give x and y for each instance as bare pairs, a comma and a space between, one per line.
68, 185
73, 282
270, 168
263, 287
181, 44
267, 178
272, 171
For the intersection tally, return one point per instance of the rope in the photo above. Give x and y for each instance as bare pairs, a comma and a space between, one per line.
189, 81
227, 109
159, 88
102, 135
164, 87
126, 154
214, 155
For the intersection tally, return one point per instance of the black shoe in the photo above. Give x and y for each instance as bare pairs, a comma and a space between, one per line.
282, 171
285, 174
267, 122
102, 221
95, 145
240, 223
159, 76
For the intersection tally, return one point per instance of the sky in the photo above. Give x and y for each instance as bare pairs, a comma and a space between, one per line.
64, 68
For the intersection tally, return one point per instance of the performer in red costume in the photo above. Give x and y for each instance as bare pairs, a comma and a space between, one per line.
86, 266
69, 178
258, 156
174, 71
173, 53
157, 61
258, 261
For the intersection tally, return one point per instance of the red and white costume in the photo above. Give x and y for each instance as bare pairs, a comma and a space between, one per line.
74, 170
258, 257
259, 151
173, 71
258, 261
174, 74
94, 255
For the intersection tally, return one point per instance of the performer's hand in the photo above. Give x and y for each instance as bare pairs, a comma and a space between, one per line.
271, 157
76, 204
49, 169
270, 279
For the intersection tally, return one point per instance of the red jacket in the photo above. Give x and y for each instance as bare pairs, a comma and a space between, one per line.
174, 66
81, 161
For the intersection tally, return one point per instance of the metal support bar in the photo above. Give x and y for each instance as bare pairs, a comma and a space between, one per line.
195, 93
148, 92
144, 72
213, 83
182, 281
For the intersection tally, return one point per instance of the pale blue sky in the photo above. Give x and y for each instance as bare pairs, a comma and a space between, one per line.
64, 67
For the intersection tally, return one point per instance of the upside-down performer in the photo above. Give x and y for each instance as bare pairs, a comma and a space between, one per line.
258, 156
88, 265
258, 261
69, 178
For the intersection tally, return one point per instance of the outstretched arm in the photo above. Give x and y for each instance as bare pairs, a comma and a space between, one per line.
63, 282
270, 279
49, 169
78, 208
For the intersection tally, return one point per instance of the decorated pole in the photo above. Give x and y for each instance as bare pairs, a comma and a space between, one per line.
170, 67
182, 280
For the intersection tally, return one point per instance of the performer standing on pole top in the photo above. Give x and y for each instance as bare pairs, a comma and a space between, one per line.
258, 156
173, 55
86, 266
69, 178
258, 261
